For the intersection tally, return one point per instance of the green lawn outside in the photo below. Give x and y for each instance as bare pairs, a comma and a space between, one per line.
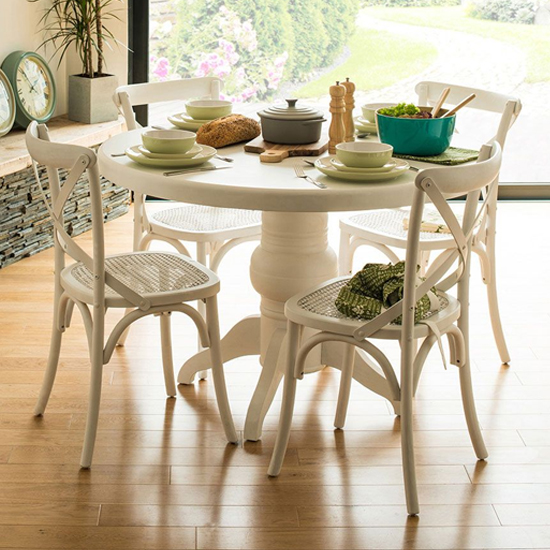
377, 59
533, 39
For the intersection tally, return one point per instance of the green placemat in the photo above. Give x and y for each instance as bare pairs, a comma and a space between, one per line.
450, 157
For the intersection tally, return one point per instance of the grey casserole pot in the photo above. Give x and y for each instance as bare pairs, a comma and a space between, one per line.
291, 124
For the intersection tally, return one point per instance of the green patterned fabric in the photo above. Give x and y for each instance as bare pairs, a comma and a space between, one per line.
451, 157
376, 288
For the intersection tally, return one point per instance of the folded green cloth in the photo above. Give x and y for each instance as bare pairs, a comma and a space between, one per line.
451, 157
375, 288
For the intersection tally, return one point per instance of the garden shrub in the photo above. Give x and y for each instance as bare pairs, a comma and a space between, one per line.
508, 11
251, 44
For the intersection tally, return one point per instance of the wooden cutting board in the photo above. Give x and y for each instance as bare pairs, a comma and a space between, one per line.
273, 152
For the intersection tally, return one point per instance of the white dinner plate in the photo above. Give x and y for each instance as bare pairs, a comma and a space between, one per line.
195, 150
200, 158
325, 166
390, 165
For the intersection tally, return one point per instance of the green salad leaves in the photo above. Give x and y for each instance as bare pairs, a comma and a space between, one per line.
401, 110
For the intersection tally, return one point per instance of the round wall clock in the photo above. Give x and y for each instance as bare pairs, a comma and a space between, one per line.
33, 85
7, 105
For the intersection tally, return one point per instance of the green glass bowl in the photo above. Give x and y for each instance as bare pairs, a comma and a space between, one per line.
416, 136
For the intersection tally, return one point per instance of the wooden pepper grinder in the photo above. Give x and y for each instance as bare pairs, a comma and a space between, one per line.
348, 115
336, 131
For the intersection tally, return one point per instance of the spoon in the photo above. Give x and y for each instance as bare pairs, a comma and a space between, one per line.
459, 106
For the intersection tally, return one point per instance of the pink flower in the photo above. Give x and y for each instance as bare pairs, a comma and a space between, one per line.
162, 69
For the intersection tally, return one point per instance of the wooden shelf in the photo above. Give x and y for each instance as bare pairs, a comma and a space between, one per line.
13, 151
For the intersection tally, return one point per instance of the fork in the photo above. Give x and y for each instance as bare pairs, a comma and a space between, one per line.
301, 174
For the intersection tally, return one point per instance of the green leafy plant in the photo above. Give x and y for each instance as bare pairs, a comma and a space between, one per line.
508, 11
80, 24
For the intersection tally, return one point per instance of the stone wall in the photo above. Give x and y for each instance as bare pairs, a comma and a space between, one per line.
25, 226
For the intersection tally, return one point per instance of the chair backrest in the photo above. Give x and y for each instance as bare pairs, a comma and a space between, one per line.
438, 185
507, 106
159, 92
78, 161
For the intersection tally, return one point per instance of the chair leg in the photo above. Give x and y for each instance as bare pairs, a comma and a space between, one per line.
406, 420
95, 393
346, 377
217, 369
51, 370
167, 357
494, 313
201, 258
287, 405
345, 254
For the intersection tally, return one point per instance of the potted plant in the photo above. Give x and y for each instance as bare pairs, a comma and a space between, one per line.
80, 24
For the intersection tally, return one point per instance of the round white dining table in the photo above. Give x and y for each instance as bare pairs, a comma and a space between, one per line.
292, 256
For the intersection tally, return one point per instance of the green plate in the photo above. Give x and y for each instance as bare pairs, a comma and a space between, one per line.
176, 120
188, 118
195, 150
391, 165
205, 155
325, 166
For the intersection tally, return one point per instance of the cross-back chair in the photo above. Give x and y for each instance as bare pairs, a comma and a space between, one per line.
316, 309
214, 230
384, 229
146, 283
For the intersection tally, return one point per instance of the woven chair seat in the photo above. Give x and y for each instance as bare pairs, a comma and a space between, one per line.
317, 309
161, 277
199, 219
390, 222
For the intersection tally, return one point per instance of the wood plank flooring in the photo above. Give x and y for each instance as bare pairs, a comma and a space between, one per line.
164, 478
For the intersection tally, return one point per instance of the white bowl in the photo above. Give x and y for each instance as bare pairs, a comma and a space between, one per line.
364, 154
168, 141
369, 110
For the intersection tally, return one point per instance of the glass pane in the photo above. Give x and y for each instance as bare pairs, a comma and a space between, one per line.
266, 50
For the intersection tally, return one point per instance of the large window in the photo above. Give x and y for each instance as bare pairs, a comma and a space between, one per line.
270, 49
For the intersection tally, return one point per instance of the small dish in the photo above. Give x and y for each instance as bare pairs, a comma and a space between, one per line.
325, 166
168, 141
171, 156
361, 154
184, 124
208, 109
390, 165
364, 126
205, 155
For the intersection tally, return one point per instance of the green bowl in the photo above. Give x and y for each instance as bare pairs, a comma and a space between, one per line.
208, 109
168, 141
359, 154
416, 136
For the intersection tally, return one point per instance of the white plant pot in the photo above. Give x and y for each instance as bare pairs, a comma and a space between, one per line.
91, 99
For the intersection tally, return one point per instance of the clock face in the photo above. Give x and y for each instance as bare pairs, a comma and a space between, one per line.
7, 105
34, 88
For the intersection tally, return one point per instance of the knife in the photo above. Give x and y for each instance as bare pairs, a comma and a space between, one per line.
189, 170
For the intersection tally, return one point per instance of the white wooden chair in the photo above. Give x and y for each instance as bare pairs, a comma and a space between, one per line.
384, 229
315, 309
144, 282
214, 230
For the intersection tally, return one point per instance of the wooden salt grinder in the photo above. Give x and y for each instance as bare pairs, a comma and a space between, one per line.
336, 131
348, 115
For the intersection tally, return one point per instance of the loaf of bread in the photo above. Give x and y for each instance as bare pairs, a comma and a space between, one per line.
228, 130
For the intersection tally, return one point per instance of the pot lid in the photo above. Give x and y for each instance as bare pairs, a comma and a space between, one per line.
291, 111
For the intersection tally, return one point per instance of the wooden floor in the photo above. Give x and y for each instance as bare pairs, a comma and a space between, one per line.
165, 479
